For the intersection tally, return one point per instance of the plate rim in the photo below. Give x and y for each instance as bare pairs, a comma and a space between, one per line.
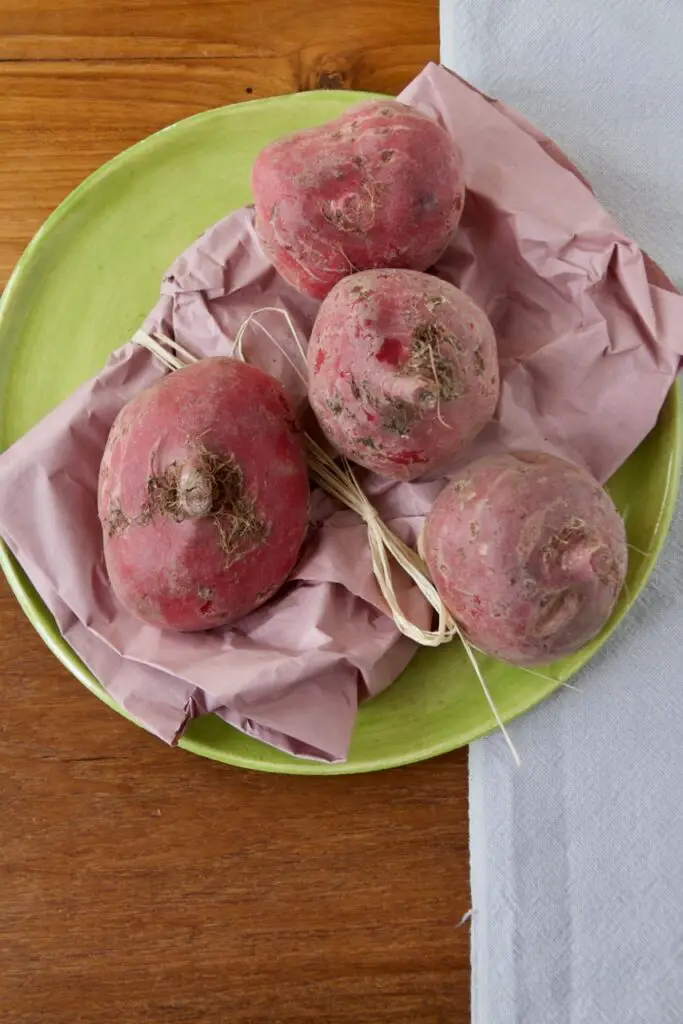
44, 624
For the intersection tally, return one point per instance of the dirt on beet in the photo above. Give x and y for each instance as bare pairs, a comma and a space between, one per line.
209, 487
117, 521
398, 417
427, 360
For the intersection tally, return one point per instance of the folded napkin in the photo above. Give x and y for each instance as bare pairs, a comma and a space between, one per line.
576, 862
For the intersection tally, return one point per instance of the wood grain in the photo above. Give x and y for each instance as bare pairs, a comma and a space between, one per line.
359, 34
142, 884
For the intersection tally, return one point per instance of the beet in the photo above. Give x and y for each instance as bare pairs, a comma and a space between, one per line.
380, 186
403, 370
528, 553
203, 496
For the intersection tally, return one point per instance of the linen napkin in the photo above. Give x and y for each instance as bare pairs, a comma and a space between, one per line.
576, 858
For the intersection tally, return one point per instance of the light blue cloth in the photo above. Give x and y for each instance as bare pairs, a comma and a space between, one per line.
604, 79
577, 857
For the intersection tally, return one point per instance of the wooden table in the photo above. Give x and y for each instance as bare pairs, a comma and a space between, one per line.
144, 885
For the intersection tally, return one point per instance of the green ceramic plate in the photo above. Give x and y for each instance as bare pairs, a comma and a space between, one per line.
83, 286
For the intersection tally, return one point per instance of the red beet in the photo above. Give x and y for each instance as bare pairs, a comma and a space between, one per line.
380, 186
529, 554
203, 496
403, 370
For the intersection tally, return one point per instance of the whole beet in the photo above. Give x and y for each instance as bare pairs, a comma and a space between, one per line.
528, 553
380, 186
403, 370
203, 496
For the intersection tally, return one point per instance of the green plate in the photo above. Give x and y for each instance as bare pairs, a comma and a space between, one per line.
83, 286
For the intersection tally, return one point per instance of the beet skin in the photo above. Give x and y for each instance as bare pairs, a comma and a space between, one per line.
528, 553
380, 186
203, 496
403, 370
